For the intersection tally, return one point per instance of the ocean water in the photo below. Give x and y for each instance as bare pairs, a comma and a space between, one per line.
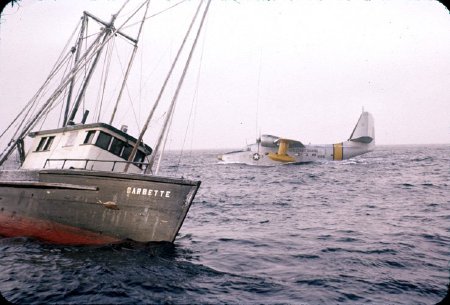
371, 230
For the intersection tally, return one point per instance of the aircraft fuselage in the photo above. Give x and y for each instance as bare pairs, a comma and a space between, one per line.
256, 154
272, 150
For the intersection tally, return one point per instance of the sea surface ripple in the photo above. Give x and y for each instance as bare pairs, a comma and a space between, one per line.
371, 230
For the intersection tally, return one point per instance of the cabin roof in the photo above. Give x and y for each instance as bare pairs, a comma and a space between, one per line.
88, 126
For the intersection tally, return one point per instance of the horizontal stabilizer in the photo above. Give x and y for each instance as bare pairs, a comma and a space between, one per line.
365, 140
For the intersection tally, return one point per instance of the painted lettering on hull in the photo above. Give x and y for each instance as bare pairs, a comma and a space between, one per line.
138, 191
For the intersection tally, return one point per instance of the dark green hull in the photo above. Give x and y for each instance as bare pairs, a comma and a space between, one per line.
92, 207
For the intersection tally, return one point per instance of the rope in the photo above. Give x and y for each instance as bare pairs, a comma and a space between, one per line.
158, 13
104, 76
180, 83
193, 106
155, 105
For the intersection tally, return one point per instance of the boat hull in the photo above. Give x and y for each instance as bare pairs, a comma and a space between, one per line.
92, 207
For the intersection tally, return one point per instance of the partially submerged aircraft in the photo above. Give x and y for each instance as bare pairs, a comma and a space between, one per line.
271, 150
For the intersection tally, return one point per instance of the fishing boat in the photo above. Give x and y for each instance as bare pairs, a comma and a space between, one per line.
86, 182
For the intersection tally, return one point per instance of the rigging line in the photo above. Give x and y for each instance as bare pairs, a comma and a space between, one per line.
194, 99
59, 63
158, 13
257, 96
141, 90
92, 35
130, 99
105, 74
159, 61
131, 16
53, 106
80, 88
31, 122
169, 74
88, 62
130, 63
105, 36
66, 46
258, 136
33, 103
193, 104
180, 83
65, 96
7, 152
77, 51
123, 6
109, 32
164, 144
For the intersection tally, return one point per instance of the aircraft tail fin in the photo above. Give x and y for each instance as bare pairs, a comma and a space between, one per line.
364, 131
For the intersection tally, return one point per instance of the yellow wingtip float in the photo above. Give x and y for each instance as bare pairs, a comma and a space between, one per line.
281, 155
272, 150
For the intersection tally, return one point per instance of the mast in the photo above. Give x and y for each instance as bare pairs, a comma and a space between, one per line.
105, 33
155, 105
83, 61
108, 32
129, 64
169, 116
77, 57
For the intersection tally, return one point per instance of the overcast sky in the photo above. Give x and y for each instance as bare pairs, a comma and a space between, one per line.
298, 69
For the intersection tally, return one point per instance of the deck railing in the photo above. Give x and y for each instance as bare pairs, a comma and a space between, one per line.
142, 165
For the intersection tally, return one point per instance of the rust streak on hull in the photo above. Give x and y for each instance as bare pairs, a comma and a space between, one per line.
14, 226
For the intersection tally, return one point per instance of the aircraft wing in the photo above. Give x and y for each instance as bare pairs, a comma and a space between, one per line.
290, 142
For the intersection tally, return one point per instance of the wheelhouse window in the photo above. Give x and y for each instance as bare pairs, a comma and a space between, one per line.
41, 144
126, 151
49, 143
103, 140
139, 156
45, 143
116, 146
89, 137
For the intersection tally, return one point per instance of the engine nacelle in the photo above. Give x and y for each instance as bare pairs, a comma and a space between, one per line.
268, 140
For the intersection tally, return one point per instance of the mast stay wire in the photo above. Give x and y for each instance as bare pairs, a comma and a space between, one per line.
130, 62
14, 142
54, 70
155, 105
158, 13
193, 103
181, 80
258, 133
68, 67
32, 102
104, 76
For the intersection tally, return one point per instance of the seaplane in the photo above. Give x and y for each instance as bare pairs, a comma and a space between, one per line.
271, 150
